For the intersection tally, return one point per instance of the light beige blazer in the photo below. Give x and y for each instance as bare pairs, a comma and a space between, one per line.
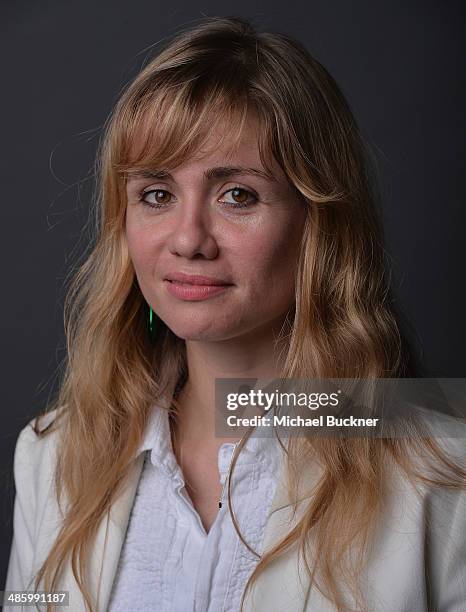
417, 562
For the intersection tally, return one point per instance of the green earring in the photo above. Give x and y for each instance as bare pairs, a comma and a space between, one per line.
151, 322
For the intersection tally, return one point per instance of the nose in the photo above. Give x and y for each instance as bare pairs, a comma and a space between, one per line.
192, 230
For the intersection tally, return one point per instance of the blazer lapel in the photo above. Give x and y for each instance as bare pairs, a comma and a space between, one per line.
112, 530
106, 548
284, 584
111, 536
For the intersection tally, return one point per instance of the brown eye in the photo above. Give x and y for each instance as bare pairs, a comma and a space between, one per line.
154, 197
161, 196
239, 197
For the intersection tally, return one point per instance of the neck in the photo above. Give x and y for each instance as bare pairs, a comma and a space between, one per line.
252, 357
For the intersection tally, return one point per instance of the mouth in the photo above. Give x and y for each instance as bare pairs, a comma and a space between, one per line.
194, 292
176, 282
195, 287
181, 278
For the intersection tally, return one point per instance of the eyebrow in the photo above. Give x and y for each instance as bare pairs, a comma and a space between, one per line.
219, 172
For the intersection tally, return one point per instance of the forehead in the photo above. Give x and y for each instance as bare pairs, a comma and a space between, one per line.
219, 146
219, 157
223, 139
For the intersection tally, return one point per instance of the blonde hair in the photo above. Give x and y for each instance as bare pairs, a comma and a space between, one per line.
341, 325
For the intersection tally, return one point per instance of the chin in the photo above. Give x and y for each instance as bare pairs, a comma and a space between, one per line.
190, 332
210, 331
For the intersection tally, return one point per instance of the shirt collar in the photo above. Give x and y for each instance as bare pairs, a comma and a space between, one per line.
157, 438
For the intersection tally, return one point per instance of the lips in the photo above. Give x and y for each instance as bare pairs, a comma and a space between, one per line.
196, 279
195, 287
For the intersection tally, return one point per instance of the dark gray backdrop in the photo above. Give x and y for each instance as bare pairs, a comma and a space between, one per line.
401, 66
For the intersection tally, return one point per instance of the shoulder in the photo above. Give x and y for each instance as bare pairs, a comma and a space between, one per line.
438, 461
445, 504
34, 472
422, 532
35, 453
38, 436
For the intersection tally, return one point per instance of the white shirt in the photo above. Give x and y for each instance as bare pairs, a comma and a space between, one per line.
168, 562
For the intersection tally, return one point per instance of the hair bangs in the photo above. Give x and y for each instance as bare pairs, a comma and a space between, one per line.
171, 125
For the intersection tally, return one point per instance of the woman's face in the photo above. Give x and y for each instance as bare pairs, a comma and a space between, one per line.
217, 216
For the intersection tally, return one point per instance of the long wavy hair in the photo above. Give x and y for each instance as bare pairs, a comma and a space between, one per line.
342, 324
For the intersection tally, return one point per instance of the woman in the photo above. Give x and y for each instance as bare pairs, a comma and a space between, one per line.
231, 162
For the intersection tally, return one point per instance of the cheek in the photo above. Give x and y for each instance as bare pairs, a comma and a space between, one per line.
142, 248
270, 258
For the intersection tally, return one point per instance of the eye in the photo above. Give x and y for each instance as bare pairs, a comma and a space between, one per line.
159, 197
241, 197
